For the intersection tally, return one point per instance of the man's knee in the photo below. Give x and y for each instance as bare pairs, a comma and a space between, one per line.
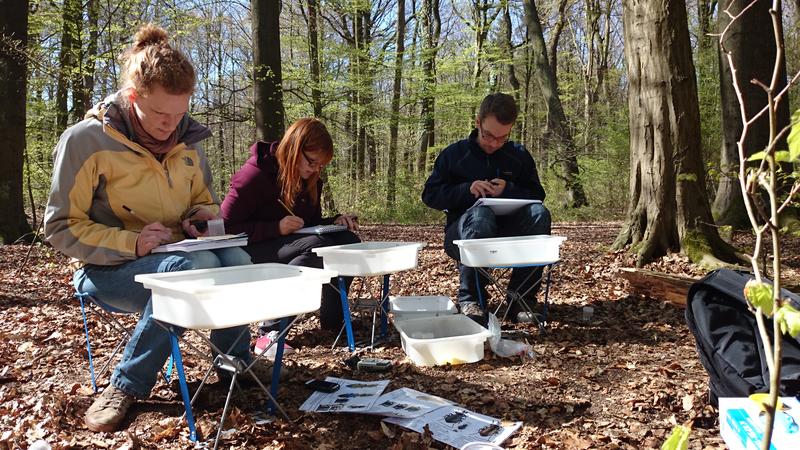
539, 218
480, 222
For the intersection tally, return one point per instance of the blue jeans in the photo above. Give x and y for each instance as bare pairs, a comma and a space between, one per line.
114, 289
481, 222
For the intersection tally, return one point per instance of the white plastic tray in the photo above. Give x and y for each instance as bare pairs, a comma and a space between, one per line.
370, 258
415, 307
435, 341
510, 251
231, 296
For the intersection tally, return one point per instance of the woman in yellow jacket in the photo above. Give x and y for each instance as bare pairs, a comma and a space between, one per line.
129, 177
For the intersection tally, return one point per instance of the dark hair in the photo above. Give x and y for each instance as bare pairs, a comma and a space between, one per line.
502, 106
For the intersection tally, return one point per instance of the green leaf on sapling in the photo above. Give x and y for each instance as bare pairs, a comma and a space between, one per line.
759, 295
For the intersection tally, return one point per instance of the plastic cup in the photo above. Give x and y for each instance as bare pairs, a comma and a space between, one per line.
588, 312
216, 227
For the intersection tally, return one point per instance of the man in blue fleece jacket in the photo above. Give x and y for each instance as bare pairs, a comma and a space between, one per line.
488, 164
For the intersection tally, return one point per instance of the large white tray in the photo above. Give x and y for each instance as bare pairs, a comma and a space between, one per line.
231, 296
434, 341
538, 249
370, 258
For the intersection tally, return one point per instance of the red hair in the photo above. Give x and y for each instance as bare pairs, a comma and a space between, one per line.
151, 61
305, 135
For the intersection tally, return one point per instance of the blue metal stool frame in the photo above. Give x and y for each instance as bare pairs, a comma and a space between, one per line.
100, 309
382, 308
236, 366
515, 295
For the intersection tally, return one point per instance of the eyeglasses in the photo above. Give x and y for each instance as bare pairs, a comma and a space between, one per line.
492, 138
313, 165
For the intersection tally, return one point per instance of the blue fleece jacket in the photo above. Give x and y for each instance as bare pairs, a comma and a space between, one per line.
463, 162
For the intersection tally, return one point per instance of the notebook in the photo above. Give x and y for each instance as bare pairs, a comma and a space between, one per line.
203, 243
503, 206
321, 229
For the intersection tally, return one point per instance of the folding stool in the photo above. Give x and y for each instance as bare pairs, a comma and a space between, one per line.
106, 314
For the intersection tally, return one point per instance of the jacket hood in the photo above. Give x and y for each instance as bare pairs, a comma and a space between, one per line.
262, 155
112, 111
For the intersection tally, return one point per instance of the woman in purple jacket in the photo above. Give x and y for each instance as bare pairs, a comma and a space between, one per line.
277, 192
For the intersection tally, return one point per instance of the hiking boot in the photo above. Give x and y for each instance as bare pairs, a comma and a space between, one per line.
108, 410
474, 312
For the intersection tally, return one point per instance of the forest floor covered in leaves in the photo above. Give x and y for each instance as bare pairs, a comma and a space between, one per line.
621, 381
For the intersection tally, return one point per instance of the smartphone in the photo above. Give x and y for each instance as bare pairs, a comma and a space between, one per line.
201, 225
373, 364
322, 386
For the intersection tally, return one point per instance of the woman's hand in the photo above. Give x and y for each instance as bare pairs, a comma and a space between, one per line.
290, 224
201, 215
349, 220
151, 236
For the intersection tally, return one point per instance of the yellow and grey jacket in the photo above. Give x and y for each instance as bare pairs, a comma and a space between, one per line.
99, 167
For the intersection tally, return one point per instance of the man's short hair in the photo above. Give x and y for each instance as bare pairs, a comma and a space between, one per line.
501, 106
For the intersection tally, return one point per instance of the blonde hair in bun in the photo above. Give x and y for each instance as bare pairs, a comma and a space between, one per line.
151, 61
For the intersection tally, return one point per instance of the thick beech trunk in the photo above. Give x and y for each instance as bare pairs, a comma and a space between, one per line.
668, 206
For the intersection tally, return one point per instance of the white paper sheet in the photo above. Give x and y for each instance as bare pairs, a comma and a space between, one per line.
503, 206
352, 396
457, 426
406, 403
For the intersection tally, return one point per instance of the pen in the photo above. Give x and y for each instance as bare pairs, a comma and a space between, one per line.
132, 213
286, 207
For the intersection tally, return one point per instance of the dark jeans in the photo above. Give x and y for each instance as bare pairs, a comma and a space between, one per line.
297, 250
481, 222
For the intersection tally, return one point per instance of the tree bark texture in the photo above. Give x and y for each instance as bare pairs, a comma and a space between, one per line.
668, 206
313, 55
13, 91
431, 24
394, 119
267, 77
67, 60
556, 119
751, 42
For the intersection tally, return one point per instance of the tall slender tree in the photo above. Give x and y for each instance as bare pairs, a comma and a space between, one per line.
668, 206
13, 91
394, 119
556, 119
267, 76
430, 23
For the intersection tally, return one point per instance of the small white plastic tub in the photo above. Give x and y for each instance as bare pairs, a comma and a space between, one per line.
435, 341
415, 307
231, 296
370, 258
537, 249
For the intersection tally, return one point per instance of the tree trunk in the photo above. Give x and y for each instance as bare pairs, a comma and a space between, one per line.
668, 206
13, 91
705, 12
313, 55
509, 49
556, 119
328, 202
394, 119
267, 78
751, 41
430, 23
557, 29
67, 61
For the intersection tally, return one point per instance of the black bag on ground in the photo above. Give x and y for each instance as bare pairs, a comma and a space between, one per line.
728, 341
